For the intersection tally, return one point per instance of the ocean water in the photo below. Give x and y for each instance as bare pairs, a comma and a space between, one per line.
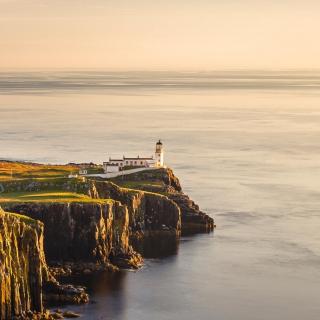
246, 147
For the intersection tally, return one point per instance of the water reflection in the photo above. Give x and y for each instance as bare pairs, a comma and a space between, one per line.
159, 246
249, 158
109, 292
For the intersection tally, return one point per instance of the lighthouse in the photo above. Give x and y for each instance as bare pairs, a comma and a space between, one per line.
159, 154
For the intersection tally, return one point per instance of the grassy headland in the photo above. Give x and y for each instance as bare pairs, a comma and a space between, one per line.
48, 197
18, 182
33, 182
11, 170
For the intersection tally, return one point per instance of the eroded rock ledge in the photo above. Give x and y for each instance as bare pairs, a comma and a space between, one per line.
83, 236
24, 275
22, 265
163, 181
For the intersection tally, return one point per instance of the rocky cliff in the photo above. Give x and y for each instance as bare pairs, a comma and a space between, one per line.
87, 235
22, 265
148, 212
163, 181
95, 234
25, 279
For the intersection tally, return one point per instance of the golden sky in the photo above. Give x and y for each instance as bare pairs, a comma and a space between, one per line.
166, 34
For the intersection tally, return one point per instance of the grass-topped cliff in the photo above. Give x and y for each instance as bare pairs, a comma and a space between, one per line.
91, 224
30, 182
153, 200
163, 181
86, 219
49, 196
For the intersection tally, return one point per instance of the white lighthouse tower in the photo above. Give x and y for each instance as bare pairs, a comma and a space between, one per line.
159, 154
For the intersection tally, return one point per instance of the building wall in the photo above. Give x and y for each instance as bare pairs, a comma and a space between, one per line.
135, 162
117, 162
110, 169
151, 163
159, 159
159, 155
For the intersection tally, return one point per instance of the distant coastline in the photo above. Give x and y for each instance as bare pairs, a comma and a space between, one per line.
98, 81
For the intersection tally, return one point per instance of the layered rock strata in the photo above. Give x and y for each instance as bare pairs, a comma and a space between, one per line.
193, 220
87, 236
25, 280
148, 212
22, 265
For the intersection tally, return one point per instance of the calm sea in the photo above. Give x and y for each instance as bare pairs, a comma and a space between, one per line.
246, 147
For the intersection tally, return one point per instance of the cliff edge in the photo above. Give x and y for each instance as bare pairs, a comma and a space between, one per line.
163, 181
22, 265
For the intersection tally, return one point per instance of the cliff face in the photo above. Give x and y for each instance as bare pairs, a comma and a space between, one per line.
193, 220
22, 265
87, 235
102, 231
81, 232
148, 212
25, 280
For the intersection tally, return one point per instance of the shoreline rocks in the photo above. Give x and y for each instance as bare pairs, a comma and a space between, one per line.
54, 292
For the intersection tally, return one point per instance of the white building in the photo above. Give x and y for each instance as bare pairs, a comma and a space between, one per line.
110, 167
159, 154
115, 165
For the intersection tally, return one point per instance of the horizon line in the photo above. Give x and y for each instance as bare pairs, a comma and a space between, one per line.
180, 70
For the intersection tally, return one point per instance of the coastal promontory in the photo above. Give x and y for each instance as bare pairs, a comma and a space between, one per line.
82, 225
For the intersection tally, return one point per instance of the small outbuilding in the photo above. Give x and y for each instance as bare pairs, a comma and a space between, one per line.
110, 167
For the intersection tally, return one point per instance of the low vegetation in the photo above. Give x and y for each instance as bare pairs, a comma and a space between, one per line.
20, 170
32, 182
48, 197
10, 170
148, 180
131, 184
25, 219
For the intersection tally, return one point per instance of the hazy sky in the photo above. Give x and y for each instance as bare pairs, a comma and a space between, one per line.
165, 34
